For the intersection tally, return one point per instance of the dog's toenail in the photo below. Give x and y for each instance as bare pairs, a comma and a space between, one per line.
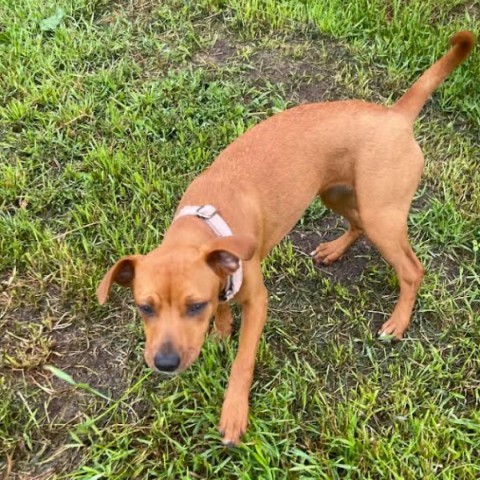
386, 337
229, 444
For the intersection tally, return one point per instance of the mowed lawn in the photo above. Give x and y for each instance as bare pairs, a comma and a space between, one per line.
108, 110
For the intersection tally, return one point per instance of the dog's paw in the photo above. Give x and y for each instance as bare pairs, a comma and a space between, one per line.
393, 329
219, 334
233, 421
328, 253
223, 323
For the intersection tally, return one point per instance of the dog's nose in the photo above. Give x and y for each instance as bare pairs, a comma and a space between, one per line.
166, 362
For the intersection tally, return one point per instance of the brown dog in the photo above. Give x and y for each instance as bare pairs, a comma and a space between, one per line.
364, 163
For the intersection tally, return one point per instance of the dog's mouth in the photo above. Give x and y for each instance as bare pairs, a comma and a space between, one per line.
166, 375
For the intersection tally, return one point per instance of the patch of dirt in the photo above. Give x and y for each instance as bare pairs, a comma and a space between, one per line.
63, 338
307, 68
219, 54
40, 328
26, 323
448, 266
316, 68
134, 10
458, 12
97, 357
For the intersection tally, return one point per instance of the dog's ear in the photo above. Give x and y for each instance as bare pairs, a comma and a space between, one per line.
223, 254
122, 273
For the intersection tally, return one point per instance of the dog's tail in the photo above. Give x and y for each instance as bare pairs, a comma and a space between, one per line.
415, 97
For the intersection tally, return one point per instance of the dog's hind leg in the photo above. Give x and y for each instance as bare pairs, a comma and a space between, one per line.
384, 202
341, 199
389, 234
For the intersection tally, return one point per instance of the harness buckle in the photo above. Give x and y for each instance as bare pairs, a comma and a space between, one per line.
206, 212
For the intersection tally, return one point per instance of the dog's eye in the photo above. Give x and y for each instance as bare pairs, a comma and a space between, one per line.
195, 308
147, 310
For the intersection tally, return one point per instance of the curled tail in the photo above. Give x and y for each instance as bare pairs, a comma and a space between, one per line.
415, 97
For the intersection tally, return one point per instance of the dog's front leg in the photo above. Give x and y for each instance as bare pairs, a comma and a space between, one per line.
234, 418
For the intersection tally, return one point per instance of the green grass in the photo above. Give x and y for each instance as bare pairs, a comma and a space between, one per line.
104, 120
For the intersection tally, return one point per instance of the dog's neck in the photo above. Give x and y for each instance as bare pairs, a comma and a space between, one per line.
188, 230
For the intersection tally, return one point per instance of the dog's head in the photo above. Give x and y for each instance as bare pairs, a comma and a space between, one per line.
176, 292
